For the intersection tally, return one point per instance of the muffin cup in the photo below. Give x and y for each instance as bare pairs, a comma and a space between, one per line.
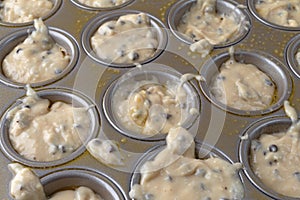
251, 7
290, 52
61, 37
266, 63
91, 8
268, 125
177, 11
67, 179
56, 6
65, 95
165, 75
93, 25
202, 151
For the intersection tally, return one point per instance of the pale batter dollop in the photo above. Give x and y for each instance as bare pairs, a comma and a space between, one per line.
207, 27
38, 58
149, 107
129, 39
243, 86
106, 151
175, 173
280, 12
102, 3
21, 11
25, 185
297, 57
275, 158
41, 130
81, 193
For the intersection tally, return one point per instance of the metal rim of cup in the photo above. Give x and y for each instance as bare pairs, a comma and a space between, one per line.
63, 38
164, 71
203, 151
53, 94
268, 125
265, 62
182, 6
71, 178
253, 11
290, 52
91, 8
92, 26
56, 6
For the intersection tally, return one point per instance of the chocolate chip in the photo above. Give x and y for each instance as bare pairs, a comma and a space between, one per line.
193, 35
149, 196
297, 175
273, 148
135, 56
139, 19
26, 106
200, 172
62, 148
268, 82
49, 52
121, 53
18, 50
77, 125
111, 27
58, 71
111, 149
122, 22
169, 178
182, 105
220, 77
270, 163
255, 145
203, 187
290, 7
167, 116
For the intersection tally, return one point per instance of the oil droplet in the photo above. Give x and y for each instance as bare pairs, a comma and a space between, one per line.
123, 140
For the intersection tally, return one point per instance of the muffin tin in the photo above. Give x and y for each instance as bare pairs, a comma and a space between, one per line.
216, 126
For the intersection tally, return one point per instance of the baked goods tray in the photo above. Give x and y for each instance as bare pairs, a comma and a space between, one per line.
215, 125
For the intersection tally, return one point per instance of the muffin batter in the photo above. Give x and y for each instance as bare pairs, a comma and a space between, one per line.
21, 11
102, 3
280, 12
243, 86
37, 59
297, 56
25, 185
42, 131
150, 107
130, 39
206, 26
106, 151
81, 193
275, 158
176, 174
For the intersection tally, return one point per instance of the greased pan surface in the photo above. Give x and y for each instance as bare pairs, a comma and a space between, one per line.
215, 125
